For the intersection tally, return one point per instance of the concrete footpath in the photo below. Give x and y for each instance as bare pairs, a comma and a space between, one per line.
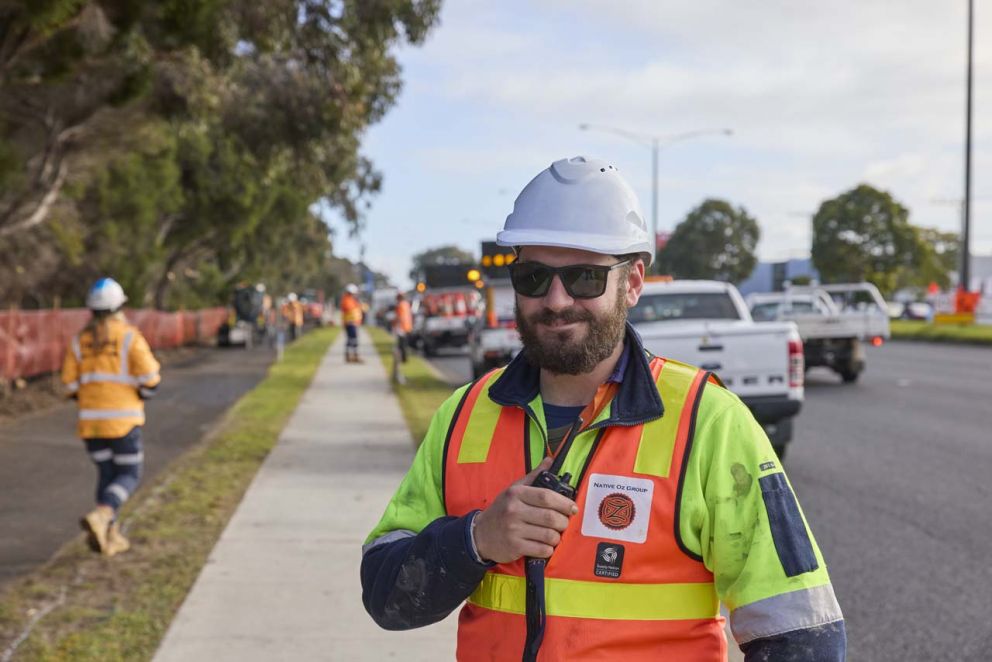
282, 583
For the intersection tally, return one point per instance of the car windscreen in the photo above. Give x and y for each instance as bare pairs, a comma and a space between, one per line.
770, 310
672, 306
764, 312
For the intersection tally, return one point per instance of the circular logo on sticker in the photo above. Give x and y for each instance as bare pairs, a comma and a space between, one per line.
609, 554
616, 511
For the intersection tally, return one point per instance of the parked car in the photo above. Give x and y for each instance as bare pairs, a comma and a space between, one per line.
707, 324
834, 322
918, 310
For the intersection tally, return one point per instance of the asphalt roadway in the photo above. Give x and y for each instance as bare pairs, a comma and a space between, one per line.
48, 480
895, 475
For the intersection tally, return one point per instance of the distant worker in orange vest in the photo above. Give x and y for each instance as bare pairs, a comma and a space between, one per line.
110, 370
402, 324
291, 311
351, 317
591, 500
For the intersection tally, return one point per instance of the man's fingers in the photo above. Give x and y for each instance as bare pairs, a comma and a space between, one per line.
536, 550
540, 534
529, 478
543, 517
540, 497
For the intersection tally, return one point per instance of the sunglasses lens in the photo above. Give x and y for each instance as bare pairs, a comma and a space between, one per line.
585, 282
530, 279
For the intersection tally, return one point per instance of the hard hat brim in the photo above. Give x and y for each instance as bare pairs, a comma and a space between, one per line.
604, 244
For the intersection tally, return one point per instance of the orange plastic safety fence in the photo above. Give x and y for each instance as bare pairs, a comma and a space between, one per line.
33, 342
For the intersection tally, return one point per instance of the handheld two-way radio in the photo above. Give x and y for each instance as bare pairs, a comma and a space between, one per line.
534, 568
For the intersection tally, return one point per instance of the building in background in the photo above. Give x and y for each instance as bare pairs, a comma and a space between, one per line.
771, 276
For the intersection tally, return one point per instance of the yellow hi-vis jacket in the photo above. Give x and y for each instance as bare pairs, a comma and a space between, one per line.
106, 379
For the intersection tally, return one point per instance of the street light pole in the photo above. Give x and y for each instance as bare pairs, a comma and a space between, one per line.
965, 280
654, 192
655, 143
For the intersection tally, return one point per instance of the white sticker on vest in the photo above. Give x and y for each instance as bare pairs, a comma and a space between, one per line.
617, 507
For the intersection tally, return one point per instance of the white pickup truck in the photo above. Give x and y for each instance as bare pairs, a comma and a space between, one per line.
834, 321
494, 341
707, 324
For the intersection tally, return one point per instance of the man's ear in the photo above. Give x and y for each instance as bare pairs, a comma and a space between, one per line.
635, 282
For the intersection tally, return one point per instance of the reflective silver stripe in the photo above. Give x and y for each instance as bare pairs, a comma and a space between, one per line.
91, 377
72, 387
798, 610
104, 414
102, 455
75, 349
144, 379
118, 491
125, 350
388, 537
129, 458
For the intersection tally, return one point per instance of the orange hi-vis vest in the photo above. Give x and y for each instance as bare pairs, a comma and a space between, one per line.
106, 379
662, 605
351, 309
404, 317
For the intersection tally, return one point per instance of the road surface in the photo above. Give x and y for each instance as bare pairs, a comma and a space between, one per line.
48, 480
895, 475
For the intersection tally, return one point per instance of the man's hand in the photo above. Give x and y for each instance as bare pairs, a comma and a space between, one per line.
523, 521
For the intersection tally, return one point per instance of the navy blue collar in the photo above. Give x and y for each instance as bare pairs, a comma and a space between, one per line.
636, 402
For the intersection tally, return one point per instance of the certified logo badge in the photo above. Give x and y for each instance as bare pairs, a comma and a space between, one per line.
616, 511
609, 560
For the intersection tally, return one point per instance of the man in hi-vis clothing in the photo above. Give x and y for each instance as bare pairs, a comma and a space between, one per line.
591, 500
110, 370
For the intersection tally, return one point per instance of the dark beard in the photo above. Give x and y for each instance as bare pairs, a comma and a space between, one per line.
561, 354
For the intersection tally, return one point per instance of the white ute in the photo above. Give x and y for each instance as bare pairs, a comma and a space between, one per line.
834, 322
494, 341
707, 324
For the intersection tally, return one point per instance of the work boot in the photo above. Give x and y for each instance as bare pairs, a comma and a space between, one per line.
96, 523
116, 542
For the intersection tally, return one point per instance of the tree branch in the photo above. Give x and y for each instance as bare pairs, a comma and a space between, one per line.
44, 205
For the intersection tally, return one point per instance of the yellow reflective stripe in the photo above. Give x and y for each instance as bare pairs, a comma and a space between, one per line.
109, 414
481, 426
612, 601
654, 454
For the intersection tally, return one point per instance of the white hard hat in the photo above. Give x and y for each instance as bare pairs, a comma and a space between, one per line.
579, 203
291, 296
351, 288
106, 294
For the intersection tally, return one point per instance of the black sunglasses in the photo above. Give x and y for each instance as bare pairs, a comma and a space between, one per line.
581, 281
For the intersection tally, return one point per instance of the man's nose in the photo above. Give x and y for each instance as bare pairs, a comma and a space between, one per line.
557, 298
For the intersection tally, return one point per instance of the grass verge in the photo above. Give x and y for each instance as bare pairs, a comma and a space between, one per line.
975, 334
423, 392
87, 607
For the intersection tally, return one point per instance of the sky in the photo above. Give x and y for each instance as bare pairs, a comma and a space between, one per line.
820, 97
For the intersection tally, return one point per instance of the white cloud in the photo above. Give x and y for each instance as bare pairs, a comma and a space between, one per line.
821, 96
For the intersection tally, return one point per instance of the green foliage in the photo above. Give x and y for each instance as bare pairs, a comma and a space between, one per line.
715, 241
447, 254
938, 255
255, 112
865, 234
125, 205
